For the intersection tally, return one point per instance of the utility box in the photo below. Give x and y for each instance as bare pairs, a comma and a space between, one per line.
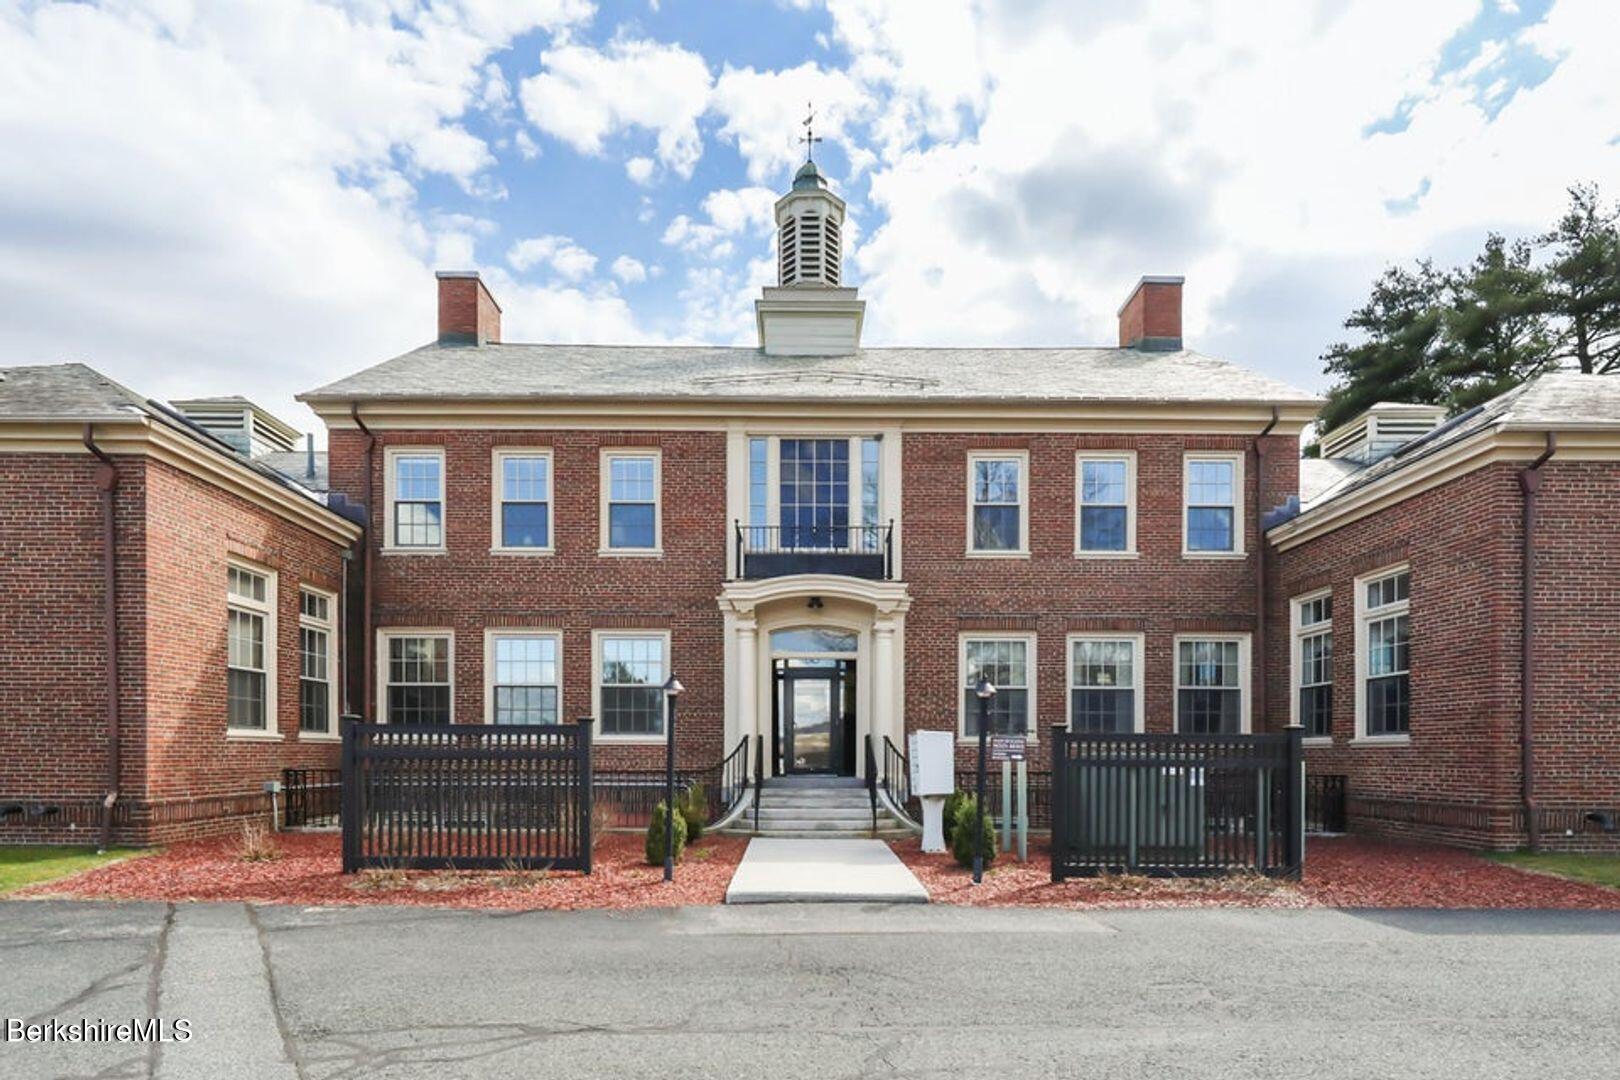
933, 777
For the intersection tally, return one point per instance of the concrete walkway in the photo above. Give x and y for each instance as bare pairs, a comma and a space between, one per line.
823, 871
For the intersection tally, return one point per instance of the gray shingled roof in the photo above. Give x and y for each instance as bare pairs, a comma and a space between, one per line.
1558, 399
64, 392
294, 465
564, 372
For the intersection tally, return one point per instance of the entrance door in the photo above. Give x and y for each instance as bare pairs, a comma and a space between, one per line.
810, 720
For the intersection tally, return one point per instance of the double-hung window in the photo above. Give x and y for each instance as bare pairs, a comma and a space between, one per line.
630, 673
250, 650
1009, 663
1313, 664
415, 489
1212, 685
998, 503
1105, 690
1383, 655
317, 663
418, 669
524, 684
1105, 496
630, 512
522, 500
1212, 487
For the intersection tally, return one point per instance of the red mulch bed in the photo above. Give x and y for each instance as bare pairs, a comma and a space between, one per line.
1346, 872
308, 874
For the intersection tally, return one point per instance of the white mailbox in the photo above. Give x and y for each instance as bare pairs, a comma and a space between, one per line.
933, 776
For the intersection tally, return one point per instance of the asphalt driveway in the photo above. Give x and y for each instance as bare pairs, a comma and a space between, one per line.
820, 992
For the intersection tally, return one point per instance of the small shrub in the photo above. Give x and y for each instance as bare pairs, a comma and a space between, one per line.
962, 834
601, 821
655, 835
258, 844
953, 805
693, 807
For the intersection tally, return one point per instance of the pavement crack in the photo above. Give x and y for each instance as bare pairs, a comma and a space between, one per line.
289, 1045
154, 985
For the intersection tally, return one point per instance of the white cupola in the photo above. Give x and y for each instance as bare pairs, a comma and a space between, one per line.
809, 312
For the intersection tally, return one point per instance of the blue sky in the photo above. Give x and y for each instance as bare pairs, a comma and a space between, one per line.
213, 197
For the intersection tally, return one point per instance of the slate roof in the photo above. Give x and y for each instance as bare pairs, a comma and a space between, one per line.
1559, 399
595, 372
294, 465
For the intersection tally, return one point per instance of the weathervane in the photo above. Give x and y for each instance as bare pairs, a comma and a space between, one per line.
809, 138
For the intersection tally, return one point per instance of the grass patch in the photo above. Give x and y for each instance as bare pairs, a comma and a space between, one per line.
28, 865
1597, 869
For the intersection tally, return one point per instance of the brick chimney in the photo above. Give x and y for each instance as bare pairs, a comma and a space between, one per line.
468, 314
1150, 318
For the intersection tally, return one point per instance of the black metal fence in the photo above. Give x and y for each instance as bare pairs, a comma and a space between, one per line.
767, 551
312, 798
1325, 803
1040, 793
467, 797
624, 798
1177, 804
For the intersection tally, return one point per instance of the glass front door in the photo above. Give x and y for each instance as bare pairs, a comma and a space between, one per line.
810, 722
815, 715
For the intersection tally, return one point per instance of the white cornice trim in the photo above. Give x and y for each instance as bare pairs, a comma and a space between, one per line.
138, 436
887, 597
1496, 444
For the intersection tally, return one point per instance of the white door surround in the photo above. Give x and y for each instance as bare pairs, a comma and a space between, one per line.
875, 611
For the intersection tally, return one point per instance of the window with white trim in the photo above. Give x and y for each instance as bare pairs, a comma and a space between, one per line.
416, 499
523, 500
525, 686
1212, 491
317, 663
250, 649
418, 683
1105, 498
630, 505
1105, 694
1313, 665
1210, 686
1008, 663
998, 503
1383, 636
631, 669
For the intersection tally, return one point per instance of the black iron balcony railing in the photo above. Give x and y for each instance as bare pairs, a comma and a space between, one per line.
863, 551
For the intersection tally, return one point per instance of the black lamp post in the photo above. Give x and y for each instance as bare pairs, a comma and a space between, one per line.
984, 690
672, 690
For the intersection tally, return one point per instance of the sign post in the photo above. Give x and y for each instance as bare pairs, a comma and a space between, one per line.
1008, 749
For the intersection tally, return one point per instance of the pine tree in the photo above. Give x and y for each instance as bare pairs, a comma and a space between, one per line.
1495, 330
1400, 325
1584, 281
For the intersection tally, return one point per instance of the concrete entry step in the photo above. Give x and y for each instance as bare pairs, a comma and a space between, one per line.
776, 870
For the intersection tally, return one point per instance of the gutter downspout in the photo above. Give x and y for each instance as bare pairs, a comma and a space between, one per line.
1259, 658
368, 645
107, 484
1529, 483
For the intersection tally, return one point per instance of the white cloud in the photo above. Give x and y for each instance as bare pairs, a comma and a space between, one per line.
640, 170
584, 96
527, 148
731, 213
764, 113
565, 258
629, 270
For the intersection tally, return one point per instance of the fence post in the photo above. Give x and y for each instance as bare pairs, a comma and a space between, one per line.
1294, 846
1059, 810
587, 790
349, 814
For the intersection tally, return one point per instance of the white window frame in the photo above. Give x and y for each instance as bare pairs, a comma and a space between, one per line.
1138, 685
1240, 520
605, 499
333, 675
1128, 457
266, 609
597, 637
1245, 676
386, 634
1031, 670
1022, 457
1298, 632
491, 634
497, 500
390, 455
1365, 616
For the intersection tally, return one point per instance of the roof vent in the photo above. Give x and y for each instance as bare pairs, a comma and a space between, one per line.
1381, 431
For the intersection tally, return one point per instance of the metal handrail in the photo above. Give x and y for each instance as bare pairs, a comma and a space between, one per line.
734, 776
759, 777
871, 779
896, 773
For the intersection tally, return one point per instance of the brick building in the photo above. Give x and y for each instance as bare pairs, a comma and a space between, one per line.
216, 661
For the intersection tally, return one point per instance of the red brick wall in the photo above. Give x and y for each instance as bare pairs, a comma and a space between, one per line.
180, 776
1158, 594
575, 590
1462, 540
1153, 311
